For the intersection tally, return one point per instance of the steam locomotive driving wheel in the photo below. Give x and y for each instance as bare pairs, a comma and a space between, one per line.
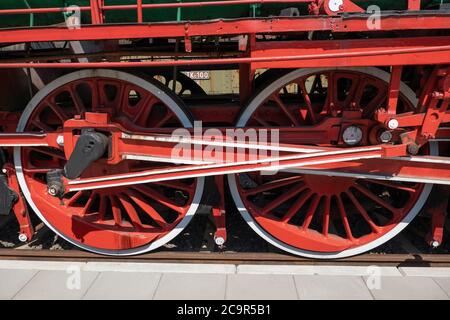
319, 215
113, 221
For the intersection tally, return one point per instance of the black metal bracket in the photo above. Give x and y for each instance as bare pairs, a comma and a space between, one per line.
90, 147
7, 196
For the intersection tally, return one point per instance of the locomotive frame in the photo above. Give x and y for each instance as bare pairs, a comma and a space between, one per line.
412, 38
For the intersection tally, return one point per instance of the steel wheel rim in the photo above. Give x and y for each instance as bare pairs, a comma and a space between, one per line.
253, 223
164, 97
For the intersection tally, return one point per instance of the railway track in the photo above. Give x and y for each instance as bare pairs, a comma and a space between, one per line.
398, 260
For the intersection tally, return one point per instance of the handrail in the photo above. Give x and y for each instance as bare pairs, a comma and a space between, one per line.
97, 8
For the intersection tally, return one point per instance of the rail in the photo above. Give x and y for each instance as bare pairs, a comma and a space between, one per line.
258, 258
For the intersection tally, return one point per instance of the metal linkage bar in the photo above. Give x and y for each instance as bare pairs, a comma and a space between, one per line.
29, 140
195, 171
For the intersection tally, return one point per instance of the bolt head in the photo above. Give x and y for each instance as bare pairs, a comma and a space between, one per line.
52, 191
60, 140
386, 137
352, 135
4, 171
393, 124
219, 241
23, 237
335, 5
413, 149
435, 244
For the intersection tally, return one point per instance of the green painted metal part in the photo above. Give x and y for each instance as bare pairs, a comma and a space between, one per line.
160, 15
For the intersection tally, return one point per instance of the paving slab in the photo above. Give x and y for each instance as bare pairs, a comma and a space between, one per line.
11, 281
191, 287
425, 272
317, 270
39, 265
123, 286
409, 288
332, 288
57, 285
260, 287
444, 283
160, 267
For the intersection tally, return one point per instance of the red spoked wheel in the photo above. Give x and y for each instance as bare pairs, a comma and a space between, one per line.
321, 216
114, 221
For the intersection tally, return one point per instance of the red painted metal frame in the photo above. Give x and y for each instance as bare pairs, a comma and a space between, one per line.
20, 208
381, 52
410, 21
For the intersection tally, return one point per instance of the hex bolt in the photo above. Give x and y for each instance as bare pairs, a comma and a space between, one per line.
60, 140
23, 237
386, 137
413, 149
54, 191
393, 124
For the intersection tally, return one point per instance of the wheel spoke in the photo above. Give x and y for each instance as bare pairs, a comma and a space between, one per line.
77, 101
147, 208
296, 206
363, 213
260, 121
272, 185
131, 211
393, 185
286, 111
142, 116
59, 112
311, 212
326, 216
88, 205
164, 119
102, 207
116, 210
376, 199
344, 219
155, 195
283, 198
307, 101
70, 202
40, 125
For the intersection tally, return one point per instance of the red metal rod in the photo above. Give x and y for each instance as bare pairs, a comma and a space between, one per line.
96, 7
38, 10
139, 11
96, 13
200, 4
222, 61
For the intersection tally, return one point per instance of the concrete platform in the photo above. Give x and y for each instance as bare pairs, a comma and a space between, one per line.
148, 281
